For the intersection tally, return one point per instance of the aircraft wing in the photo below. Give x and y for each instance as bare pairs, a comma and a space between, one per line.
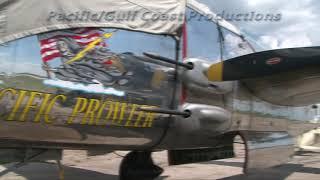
264, 63
288, 77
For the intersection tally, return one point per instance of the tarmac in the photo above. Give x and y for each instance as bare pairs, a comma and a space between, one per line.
78, 166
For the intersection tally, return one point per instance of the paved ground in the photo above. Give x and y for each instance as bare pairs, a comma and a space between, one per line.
80, 167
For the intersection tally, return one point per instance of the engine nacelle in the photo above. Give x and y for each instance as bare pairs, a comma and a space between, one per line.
205, 119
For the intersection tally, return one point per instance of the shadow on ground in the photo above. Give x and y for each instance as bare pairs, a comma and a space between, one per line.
41, 171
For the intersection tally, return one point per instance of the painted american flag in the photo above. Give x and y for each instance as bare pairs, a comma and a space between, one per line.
82, 36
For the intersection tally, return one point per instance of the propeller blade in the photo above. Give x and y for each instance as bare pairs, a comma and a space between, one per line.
264, 63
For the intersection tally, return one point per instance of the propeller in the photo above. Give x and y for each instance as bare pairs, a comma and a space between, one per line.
264, 63
253, 65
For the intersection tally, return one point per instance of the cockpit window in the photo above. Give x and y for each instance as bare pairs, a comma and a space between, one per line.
234, 45
209, 42
203, 37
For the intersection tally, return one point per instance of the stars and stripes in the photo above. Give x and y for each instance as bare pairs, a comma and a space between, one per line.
49, 49
49, 41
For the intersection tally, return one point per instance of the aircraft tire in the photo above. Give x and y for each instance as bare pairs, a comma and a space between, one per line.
139, 165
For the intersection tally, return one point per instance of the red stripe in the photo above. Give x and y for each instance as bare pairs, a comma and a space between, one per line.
50, 57
47, 49
185, 41
47, 41
273, 61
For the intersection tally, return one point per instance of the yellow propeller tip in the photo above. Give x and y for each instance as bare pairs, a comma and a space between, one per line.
215, 72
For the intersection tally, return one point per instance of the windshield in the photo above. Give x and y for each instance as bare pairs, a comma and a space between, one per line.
234, 45
209, 41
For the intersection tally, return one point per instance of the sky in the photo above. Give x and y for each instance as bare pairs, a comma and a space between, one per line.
299, 24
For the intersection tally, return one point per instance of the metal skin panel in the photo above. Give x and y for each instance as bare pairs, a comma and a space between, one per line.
297, 88
253, 113
266, 149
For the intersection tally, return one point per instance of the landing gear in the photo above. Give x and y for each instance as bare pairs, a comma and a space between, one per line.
139, 165
61, 170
